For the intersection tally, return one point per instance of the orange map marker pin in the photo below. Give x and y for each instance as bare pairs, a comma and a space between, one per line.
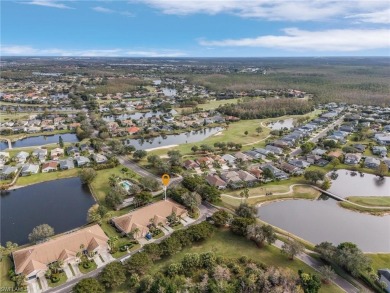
165, 179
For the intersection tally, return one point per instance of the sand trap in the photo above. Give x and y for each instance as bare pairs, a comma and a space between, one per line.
162, 147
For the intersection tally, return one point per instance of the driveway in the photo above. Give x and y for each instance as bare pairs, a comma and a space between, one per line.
68, 272
33, 286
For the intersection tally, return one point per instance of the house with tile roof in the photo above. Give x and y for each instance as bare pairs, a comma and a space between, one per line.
33, 261
138, 220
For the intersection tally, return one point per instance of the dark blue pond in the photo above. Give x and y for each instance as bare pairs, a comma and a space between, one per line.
63, 204
40, 140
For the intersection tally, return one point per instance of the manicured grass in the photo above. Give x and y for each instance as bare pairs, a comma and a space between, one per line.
303, 192
100, 185
60, 282
377, 212
5, 266
41, 177
161, 234
379, 260
226, 244
84, 270
379, 201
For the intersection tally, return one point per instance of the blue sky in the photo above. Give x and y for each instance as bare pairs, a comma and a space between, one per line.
195, 28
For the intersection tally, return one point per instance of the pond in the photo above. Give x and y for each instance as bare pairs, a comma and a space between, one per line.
40, 140
187, 137
347, 184
323, 220
288, 123
63, 204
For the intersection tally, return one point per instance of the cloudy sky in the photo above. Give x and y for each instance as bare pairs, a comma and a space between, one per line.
195, 28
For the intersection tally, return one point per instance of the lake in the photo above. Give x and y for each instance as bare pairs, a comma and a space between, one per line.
63, 204
288, 123
187, 137
368, 185
40, 140
323, 220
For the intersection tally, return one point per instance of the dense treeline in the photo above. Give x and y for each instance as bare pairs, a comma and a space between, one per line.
264, 108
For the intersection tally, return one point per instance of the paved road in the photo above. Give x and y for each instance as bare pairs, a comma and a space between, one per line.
321, 134
316, 264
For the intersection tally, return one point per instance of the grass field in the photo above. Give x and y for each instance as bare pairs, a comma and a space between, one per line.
226, 244
5, 266
236, 133
380, 201
42, 177
100, 185
379, 260
377, 212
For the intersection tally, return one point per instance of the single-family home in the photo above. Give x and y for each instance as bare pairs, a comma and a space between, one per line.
190, 164
73, 151
352, 159
40, 154
56, 153
156, 213
359, 147
229, 158
371, 162
232, 178
274, 149
82, 161
21, 157
8, 171
33, 261
215, 180
205, 162
247, 177
379, 151
50, 166
99, 158
382, 138
242, 156
254, 155
87, 149
66, 164
302, 163
29, 169
277, 173
291, 169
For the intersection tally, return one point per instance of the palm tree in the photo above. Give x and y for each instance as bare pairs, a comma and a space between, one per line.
135, 232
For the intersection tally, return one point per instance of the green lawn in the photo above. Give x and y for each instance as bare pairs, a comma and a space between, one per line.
377, 212
84, 270
379, 260
236, 133
60, 282
380, 201
226, 244
41, 177
5, 266
100, 185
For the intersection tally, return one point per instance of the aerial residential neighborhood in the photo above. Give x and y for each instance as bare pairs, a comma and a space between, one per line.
194, 146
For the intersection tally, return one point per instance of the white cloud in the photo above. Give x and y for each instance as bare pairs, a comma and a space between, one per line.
31, 51
48, 3
337, 40
382, 16
110, 11
296, 10
102, 9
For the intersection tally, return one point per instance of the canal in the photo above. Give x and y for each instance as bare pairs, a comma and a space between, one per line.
40, 140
